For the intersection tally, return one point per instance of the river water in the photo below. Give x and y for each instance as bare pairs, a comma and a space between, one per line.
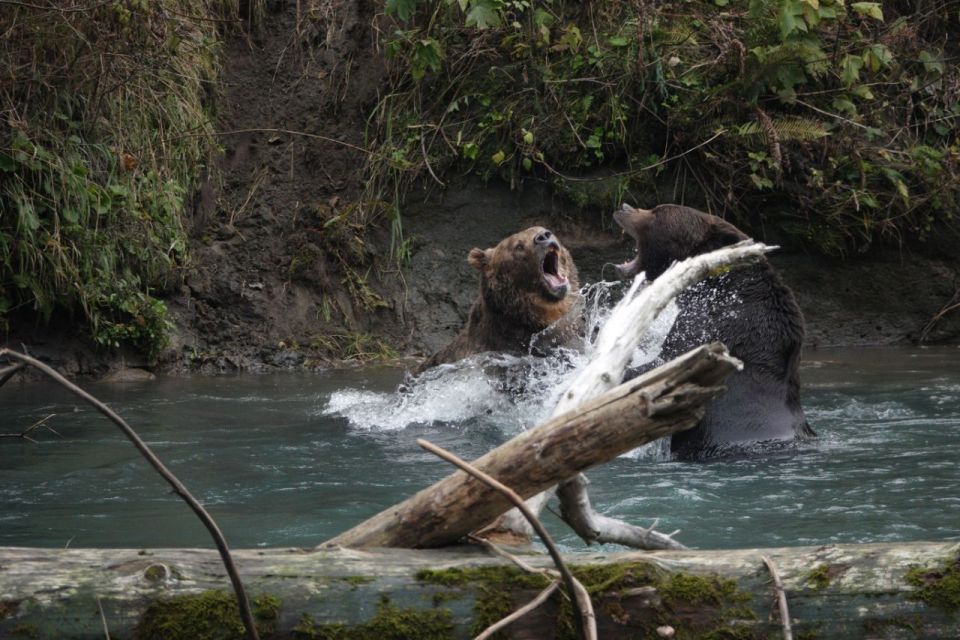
292, 459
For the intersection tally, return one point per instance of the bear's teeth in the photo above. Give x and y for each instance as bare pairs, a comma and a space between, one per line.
554, 281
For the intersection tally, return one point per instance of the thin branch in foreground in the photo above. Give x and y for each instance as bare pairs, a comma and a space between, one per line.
519, 613
583, 613
103, 619
246, 615
530, 606
781, 598
7, 372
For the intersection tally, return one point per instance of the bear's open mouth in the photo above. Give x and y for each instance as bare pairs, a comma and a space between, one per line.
556, 282
631, 267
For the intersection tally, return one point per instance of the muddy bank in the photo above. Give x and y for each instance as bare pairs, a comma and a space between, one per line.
885, 298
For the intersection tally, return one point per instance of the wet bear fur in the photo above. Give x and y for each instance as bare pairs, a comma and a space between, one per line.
518, 296
749, 310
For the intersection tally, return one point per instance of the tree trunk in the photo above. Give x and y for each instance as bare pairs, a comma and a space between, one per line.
663, 401
841, 591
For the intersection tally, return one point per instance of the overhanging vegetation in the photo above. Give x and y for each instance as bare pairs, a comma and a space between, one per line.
830, 122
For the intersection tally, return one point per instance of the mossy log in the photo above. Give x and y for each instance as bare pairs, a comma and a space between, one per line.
667, 399
899, 590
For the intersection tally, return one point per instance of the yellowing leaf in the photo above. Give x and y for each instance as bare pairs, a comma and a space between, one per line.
869, 9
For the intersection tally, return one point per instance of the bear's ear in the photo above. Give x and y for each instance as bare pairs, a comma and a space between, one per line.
479, 259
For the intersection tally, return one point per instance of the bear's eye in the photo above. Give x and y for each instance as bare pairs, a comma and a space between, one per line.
518, 247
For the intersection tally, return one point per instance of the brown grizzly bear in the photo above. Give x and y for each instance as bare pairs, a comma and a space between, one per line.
749, 310
527, 283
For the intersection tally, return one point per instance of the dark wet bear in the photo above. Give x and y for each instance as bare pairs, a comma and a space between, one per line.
748, 309
527, 283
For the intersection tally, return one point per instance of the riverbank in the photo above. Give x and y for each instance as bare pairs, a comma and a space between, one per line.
292, 263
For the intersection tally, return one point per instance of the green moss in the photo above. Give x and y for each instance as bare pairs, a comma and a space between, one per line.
683, 588
155, 572
819, 577
26, 631
822, 575
8, 608
441, 597
389, 623
729, 632
503, 576
492, 604
875, 627
211, 615
696, 606
603, 578
356, 581
938, 587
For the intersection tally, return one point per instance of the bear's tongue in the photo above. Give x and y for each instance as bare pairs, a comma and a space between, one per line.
629, 268
551, 272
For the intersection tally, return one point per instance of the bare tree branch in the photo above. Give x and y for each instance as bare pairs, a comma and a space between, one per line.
576, 511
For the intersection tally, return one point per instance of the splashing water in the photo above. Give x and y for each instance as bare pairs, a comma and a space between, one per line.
512, 392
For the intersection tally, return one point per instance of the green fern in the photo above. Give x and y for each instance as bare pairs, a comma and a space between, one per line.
788, 128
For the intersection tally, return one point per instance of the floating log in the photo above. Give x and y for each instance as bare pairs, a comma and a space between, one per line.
895, 590
656, 404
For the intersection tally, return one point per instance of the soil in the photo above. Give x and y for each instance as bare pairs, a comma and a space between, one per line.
272, 282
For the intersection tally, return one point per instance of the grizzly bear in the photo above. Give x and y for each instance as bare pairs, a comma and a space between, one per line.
746, 308
527, 283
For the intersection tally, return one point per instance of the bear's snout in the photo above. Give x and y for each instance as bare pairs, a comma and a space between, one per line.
546, 239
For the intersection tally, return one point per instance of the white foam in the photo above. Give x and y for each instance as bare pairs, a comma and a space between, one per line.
511, 392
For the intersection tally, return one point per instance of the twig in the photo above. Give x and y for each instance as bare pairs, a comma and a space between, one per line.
36, 425
781, 598
426, 160
103, 618
53, 7
832, 115
509, 556
178, 488
583, 613
951, 305
636, 171
519, 613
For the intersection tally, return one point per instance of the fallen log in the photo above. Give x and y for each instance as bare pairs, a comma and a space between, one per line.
659, 403
890, 590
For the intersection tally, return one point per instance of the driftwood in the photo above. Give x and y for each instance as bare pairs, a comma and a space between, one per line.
663, 401
842, 591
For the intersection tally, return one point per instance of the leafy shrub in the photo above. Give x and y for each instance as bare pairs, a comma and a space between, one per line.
833, 122
106, 127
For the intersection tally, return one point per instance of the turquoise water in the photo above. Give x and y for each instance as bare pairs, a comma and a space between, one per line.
293, 459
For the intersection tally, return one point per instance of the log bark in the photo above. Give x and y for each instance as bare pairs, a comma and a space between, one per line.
836, 591
663, 401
